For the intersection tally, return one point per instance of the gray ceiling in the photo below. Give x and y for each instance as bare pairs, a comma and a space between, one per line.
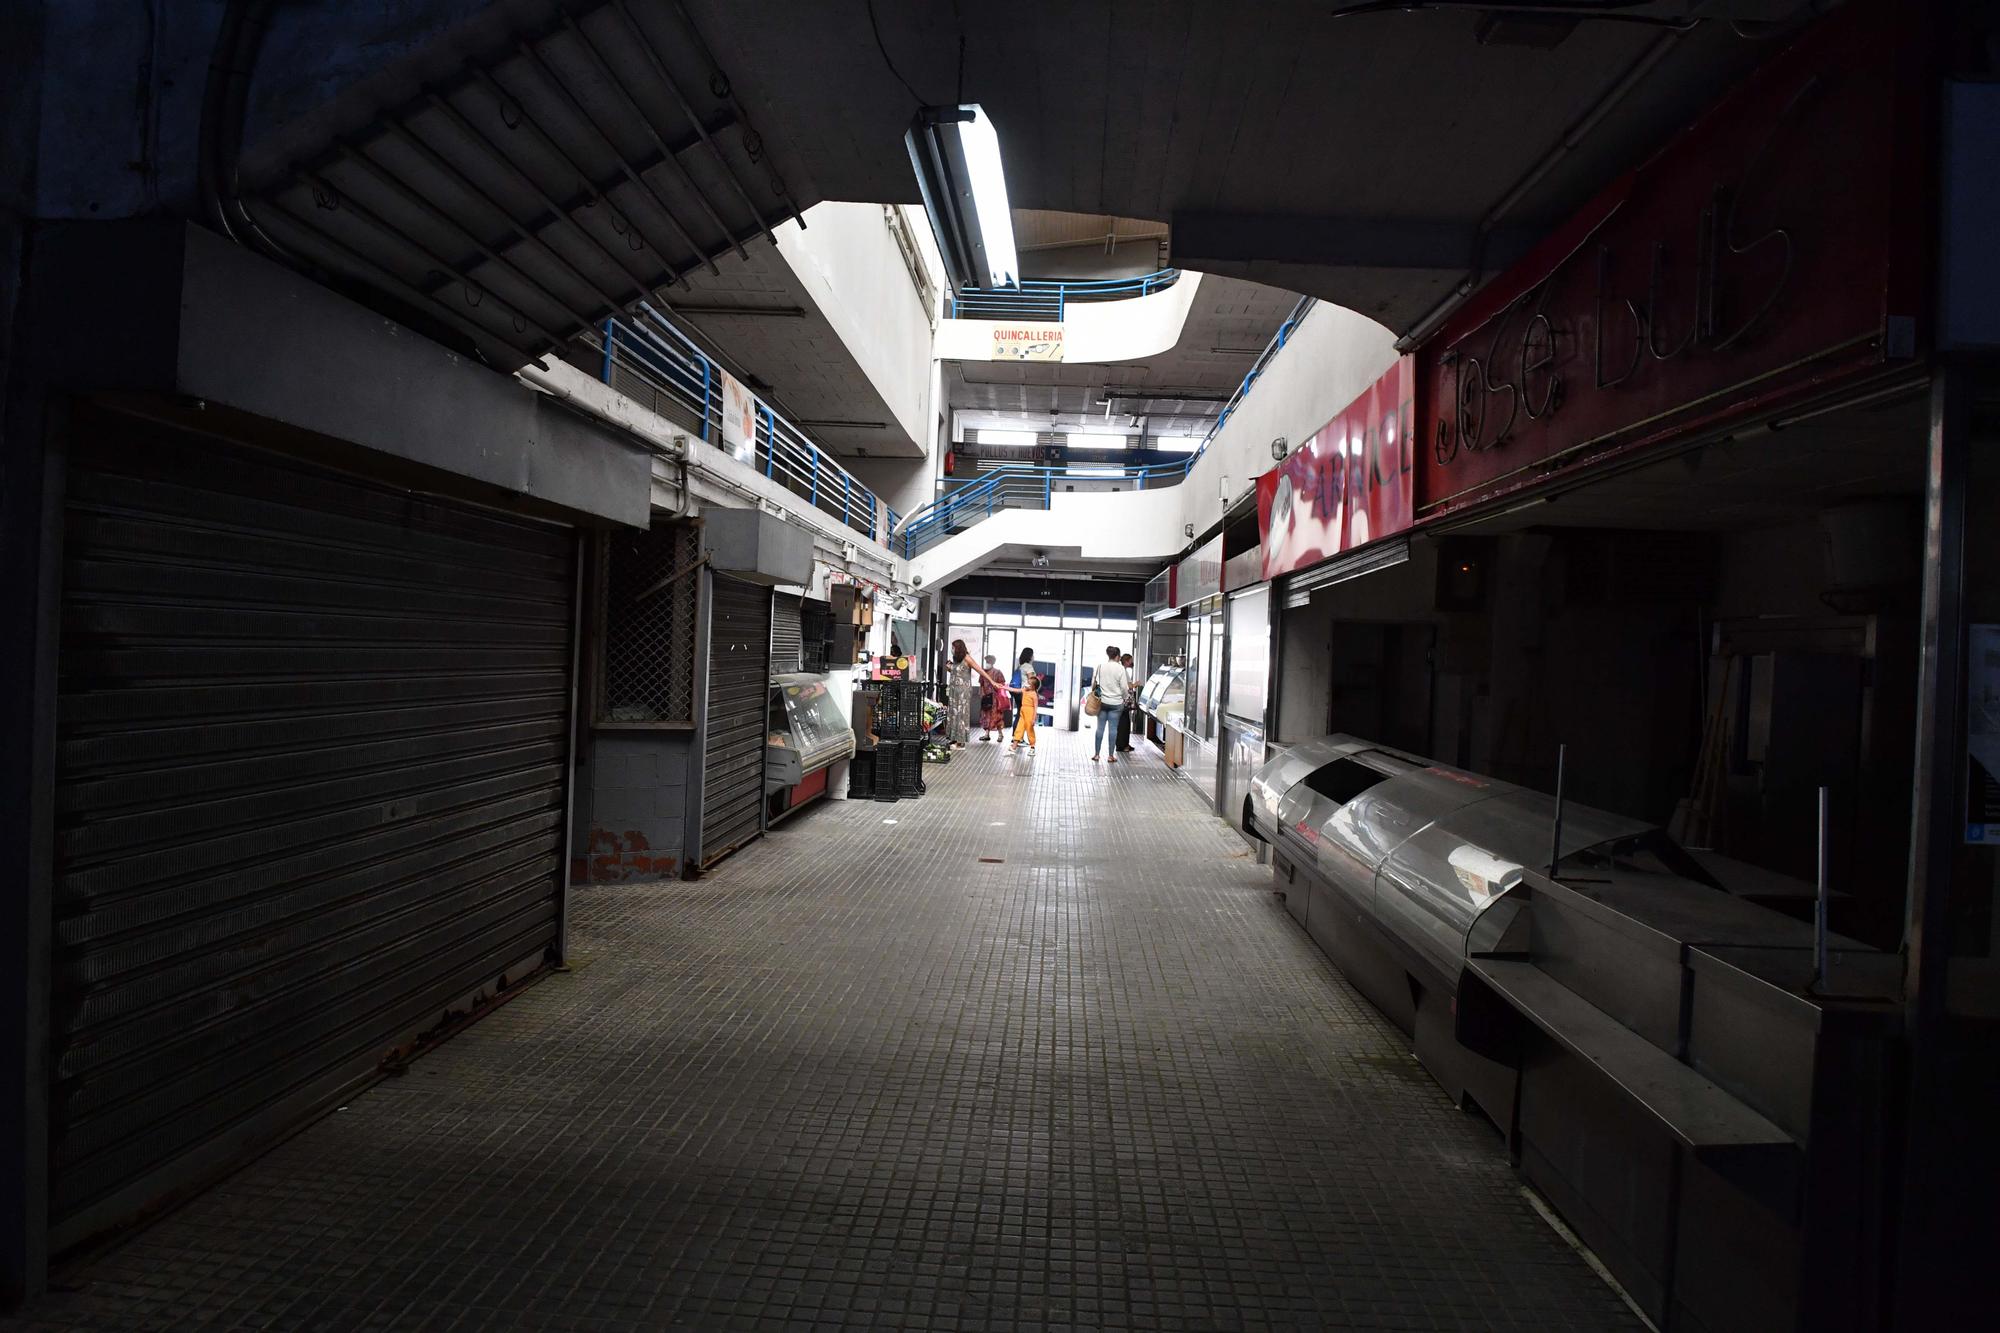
596, 153
1390, 134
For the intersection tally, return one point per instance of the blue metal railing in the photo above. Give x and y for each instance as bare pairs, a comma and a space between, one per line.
652, 362
974, 499
1036, 299
1257, 368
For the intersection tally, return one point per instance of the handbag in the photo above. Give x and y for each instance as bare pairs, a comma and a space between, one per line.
1091, 705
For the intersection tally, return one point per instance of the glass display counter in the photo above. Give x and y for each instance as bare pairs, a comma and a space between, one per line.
806, 731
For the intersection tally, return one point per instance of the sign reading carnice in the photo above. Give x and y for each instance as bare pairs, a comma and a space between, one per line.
1754, 259
1027, 342
1346, 486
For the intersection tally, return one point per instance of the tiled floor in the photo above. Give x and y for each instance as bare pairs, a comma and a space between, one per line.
1038, 1050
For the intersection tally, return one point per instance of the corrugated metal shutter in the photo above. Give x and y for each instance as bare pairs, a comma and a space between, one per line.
739, 684
1299, 588
787, 633
310, 794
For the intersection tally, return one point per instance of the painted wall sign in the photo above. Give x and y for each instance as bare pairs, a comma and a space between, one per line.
1027, 342
1755, 259
1348, 485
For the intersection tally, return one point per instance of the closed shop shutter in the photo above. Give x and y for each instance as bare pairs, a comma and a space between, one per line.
1382, 555
310, 795
787, 636
739, 683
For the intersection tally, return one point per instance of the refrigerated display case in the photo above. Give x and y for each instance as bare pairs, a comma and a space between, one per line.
806, 735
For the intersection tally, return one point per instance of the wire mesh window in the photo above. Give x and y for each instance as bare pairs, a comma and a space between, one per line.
649, 587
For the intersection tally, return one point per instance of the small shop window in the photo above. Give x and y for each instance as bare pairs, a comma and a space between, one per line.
648, 598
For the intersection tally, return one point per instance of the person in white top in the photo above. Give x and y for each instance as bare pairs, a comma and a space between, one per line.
1111, 684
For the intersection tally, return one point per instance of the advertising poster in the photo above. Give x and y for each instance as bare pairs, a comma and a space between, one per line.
739, 420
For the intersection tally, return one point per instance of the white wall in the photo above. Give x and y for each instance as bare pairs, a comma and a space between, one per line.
1100, 525
1094, 332
1325, 364
853, 270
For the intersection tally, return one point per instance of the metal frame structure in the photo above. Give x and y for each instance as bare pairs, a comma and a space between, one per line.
1039, 299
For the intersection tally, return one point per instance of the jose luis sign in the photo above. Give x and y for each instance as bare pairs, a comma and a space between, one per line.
1767, 251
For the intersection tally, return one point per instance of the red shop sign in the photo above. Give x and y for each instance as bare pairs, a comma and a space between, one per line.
1346, 486
1765, 253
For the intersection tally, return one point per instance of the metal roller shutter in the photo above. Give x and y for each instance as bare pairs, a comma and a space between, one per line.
310, 794
1299, 588
739, 682
787, 635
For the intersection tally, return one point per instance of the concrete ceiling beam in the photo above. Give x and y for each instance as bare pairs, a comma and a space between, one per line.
1200, 240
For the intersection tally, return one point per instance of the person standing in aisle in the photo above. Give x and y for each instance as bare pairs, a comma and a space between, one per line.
1028, 697
1111, 684
1131, 706
992, 701
959, 694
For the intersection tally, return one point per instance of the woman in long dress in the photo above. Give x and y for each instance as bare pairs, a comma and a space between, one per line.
959, 694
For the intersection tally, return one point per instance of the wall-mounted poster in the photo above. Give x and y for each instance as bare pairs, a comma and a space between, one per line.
739, 420
1027, 342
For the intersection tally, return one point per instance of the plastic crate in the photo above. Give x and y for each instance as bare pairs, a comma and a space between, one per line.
909, 769
861, 776
888, 755
901, 711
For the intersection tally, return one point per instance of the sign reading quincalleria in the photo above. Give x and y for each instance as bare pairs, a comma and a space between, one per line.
1028, 342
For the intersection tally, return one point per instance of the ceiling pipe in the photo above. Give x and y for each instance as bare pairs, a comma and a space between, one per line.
1572, 137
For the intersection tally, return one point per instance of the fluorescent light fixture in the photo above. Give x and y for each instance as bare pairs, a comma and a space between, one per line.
956, 154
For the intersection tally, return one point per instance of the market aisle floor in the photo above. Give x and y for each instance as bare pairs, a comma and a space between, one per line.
1040, 1049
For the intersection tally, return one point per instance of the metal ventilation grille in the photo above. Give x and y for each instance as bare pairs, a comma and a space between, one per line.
560, 176
787, 634
649, 589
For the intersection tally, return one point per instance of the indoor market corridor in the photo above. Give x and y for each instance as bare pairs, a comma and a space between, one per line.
1040, 1049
